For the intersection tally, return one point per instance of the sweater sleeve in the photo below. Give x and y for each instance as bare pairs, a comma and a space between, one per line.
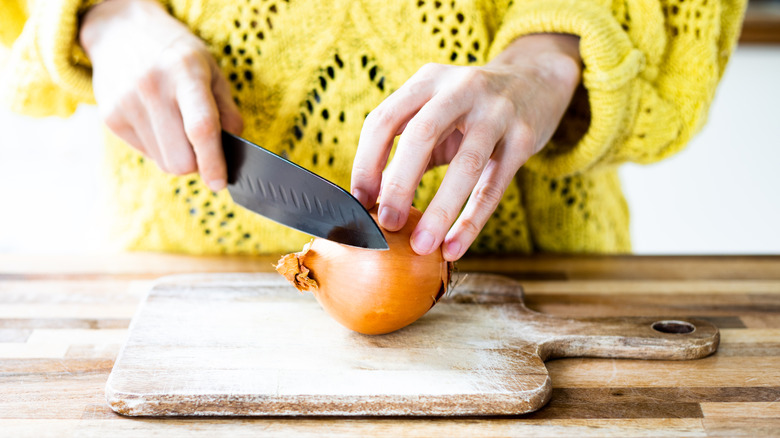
45, 72
650, 72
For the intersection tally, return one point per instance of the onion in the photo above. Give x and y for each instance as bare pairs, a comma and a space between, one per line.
369, 291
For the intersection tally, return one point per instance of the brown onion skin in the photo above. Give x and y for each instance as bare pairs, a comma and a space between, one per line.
376, 292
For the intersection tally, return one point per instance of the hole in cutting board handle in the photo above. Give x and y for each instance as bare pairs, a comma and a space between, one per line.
675, 327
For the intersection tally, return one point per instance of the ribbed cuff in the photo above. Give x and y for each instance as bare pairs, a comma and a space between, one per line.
612, 64
57, 38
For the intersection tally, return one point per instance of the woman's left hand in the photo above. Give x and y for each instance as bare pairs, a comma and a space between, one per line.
484, 121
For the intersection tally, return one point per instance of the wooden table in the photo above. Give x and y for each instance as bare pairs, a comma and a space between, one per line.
63, 320
762, 22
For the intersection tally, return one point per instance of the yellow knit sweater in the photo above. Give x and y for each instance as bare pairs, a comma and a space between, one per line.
305, 73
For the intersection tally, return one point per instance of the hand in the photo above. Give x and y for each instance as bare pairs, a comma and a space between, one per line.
484, 121
158, 88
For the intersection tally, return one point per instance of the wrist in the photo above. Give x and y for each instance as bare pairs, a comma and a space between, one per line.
104, 17
554, 55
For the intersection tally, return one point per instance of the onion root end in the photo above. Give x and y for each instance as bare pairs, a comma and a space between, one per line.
292, 268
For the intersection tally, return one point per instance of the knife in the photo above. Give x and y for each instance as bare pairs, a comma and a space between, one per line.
286, 193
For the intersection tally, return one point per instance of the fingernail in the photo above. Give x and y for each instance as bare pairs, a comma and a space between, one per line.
453, 250
360, 196
216, 184
423, 242
389, 218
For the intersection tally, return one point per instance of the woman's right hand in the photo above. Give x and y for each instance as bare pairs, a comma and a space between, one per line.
158, 88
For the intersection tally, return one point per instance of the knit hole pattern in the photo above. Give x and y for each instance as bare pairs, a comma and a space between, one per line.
573, 193
687, 18
506, 229
452, 30
214, 215
252, 27
315, 115
620, 11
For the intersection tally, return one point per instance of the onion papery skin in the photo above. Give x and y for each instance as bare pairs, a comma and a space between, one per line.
371, 291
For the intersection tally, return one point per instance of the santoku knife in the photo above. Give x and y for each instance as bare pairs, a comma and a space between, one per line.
285, 192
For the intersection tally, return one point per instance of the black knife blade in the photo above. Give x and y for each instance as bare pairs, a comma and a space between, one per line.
285, 192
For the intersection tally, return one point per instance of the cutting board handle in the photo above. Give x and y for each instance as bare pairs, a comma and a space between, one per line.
616, 337
628, 337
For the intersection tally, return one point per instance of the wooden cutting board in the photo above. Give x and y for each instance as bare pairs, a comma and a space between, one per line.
250, 344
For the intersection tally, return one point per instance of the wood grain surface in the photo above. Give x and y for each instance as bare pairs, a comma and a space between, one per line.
64, 319
234, 344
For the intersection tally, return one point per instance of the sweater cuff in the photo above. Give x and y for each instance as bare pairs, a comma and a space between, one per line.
611, 65
57, 39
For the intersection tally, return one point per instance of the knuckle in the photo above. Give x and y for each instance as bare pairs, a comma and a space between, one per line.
488, 196
447, 101
418, 86
471, 83
523, 140
470, 227
393, 189
502, 106
149, 84
115, 120
423, 78
526, 134
194, 66
203, 129
209, 166
507, 109
470, 163
188, 59
184, 51
123, 110
439, 215
473, 78
361, 173
424, 130
430, 68
502, 113
380, 116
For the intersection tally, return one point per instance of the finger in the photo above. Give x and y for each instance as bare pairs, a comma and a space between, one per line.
120, 119
122, 128
381, 127
145, 134
435, 121
229, 114
161, 121
200, 116
481, 205
462, 176
140, 123
484, 199
174, 147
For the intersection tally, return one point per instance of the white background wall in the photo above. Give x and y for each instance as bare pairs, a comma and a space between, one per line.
719, 196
